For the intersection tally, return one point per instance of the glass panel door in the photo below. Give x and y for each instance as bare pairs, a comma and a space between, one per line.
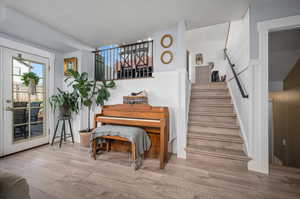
28, 112
25, 106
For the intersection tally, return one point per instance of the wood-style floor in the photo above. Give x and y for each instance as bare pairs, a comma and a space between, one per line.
69, 173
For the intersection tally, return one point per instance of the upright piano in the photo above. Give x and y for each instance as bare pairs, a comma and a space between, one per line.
154, 120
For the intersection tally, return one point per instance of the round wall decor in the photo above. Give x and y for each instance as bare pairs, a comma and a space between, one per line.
166, 57
166, 41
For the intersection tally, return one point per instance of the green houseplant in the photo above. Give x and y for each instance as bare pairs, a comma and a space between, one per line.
65, 102
30, 79
89, 92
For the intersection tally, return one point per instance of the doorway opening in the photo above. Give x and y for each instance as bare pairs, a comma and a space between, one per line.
284, 97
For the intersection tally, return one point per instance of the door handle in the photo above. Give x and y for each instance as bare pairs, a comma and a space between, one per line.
8, 108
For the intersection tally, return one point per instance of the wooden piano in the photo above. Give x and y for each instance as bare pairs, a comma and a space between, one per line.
154, 120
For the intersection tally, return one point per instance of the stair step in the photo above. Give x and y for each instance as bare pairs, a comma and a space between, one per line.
211, 92
201, 89
204, 101
216, 114
197, 104
214, 130
210, 83
218, 152
215, 137
215, 143
210, 86
229, 125
213, 118
221, 88
209, 108
226, 164
200, 96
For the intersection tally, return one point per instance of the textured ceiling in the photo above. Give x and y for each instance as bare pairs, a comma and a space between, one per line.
102, 22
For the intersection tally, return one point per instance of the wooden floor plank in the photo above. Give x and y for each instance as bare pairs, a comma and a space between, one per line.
70, 173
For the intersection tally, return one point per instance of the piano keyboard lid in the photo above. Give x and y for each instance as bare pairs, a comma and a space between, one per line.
126, 118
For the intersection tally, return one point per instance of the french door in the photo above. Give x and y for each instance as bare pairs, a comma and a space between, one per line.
25, 107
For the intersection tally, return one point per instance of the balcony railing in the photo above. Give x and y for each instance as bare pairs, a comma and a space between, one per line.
124, 62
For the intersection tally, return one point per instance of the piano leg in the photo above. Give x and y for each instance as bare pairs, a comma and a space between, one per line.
107, 145
162, 149
166, 145
94, 148
133, 151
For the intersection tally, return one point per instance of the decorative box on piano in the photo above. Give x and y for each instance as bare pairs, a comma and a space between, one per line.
135, 100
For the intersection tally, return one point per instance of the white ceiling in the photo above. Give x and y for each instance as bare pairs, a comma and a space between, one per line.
284, 52
102, 22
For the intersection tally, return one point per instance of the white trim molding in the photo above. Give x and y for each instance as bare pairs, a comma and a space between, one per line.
182, 111
259, 135
1, 105
242, 128
9, 44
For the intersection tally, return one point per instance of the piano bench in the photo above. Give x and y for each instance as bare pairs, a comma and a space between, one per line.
108, 138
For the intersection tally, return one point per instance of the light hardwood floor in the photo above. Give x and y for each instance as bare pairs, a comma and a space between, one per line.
69, 173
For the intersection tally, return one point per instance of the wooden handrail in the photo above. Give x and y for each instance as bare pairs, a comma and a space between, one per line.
227, 36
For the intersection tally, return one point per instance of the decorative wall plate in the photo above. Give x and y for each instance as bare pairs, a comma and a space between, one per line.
166, 41
166, 57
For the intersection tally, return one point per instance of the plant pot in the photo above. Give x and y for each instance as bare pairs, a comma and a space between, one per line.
85, 138
64, 112
32, 87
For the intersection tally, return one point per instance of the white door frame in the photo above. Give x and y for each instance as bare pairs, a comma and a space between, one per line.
260, 119
9, 145
6, 43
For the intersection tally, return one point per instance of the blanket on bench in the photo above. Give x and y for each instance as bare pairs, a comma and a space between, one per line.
136, 135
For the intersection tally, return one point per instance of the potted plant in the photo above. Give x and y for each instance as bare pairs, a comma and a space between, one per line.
89, 92
30, 79
65, 102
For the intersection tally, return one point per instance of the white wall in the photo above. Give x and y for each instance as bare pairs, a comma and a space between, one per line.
284, 52
281, 62
85, 60
261, 10
275, 86
163, 90
166, 88
158, 50
238, 49
178, 48
210, 41
245, 56
16, 24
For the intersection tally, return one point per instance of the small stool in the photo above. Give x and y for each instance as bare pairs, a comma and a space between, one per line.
63, 134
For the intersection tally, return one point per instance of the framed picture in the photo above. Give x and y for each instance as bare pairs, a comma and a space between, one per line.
199, 59
70, 63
